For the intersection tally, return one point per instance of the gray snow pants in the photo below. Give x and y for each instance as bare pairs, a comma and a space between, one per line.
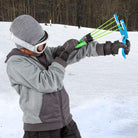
69, 131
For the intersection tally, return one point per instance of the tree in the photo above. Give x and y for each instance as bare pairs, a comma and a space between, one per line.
90, 13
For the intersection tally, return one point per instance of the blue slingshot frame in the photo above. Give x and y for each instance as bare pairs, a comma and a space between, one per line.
123, 32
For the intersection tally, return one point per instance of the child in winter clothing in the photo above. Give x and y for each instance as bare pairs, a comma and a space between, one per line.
36, 71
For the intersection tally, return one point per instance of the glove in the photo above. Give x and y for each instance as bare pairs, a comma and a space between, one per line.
87, 38
128, 47
59, 50
68, 48
112, 48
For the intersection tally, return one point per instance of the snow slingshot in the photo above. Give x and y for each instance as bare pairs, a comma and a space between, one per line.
119, 25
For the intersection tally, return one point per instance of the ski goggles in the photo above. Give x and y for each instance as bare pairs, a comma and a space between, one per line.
33, 48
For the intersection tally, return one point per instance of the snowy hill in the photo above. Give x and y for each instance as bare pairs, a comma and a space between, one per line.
103, 90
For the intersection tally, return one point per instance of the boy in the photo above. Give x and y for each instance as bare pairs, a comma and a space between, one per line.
37, 73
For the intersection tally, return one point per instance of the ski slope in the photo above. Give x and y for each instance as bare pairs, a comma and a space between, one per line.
103, 90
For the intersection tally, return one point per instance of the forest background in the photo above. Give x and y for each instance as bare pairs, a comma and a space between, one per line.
86, 13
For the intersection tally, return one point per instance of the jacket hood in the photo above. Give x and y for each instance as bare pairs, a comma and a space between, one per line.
15, 51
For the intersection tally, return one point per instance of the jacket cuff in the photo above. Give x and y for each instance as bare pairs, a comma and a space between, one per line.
100, 49
60, 61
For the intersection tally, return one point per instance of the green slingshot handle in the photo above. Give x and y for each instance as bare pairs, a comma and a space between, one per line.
81, 44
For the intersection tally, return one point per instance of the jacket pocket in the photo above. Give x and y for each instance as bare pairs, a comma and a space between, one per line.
50, 110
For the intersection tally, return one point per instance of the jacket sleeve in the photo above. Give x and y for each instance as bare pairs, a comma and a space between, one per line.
85, 51
77, 55
22, 72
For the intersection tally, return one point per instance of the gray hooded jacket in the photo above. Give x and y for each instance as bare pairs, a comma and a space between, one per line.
43, 98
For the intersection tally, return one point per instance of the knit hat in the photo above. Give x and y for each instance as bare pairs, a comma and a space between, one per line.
28, 33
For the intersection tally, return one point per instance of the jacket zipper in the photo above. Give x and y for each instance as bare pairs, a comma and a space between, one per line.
37, 62
60, 99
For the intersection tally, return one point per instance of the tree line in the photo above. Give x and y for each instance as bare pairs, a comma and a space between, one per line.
86, 13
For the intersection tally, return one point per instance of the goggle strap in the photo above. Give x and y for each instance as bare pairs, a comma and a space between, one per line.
27, 45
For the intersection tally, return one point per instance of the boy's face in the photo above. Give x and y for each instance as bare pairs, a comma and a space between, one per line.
41, 47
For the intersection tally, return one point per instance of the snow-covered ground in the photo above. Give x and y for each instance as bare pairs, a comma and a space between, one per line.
103, 90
